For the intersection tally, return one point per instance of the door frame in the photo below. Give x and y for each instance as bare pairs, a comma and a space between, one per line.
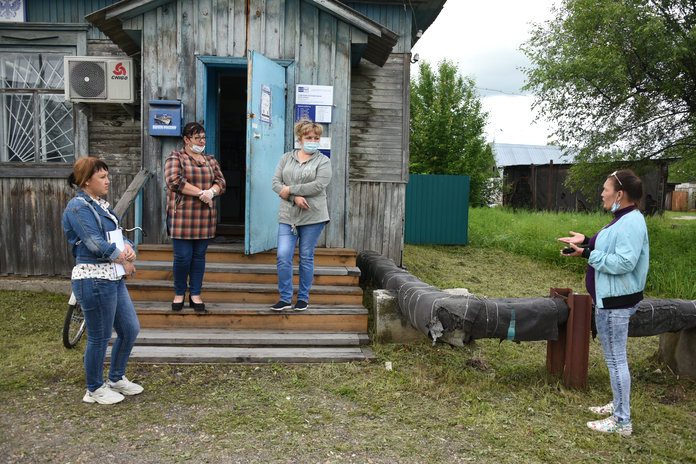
208, 69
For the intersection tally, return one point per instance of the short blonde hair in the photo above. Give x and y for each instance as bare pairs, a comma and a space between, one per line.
305, 126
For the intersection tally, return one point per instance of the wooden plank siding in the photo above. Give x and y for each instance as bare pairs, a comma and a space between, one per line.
65, 11
175, 34
31, 230
379, 121
376, 220
34, 195
369, 131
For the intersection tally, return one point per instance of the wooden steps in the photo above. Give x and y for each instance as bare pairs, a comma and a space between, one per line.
243, 292
198, 355
249, 338
239, 326
234, 252
259, 273
336, 318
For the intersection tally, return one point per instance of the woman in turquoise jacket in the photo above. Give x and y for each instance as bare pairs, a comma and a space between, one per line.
617, 267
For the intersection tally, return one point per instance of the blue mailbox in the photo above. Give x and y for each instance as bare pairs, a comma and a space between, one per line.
166, 117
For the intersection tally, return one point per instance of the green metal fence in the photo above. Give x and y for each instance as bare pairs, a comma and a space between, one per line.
437, 209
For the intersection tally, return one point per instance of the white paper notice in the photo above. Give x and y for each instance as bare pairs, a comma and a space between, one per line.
322, 114
116, 236
314, 95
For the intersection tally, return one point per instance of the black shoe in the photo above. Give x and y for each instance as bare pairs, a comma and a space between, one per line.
281, 305
301, 305
178, 306
200, 307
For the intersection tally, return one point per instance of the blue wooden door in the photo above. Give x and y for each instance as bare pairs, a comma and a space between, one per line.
265, 145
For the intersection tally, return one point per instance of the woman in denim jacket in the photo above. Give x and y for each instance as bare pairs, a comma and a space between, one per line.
617, 269
97, 285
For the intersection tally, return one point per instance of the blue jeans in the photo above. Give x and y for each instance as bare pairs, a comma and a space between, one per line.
612, 328
308, 236
189, 265
106, 305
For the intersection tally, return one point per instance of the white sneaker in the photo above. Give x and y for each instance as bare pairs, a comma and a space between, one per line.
606, 409
102, 395
125, 386
612, 425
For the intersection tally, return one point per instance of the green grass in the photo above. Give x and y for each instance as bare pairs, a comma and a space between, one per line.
488, 402
533, 234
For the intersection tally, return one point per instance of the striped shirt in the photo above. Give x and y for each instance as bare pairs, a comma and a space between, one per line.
189, 217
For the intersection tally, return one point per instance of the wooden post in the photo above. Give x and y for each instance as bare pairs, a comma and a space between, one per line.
569, 355
555, 349
577, 350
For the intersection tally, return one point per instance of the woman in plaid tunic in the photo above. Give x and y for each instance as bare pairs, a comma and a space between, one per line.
194, 179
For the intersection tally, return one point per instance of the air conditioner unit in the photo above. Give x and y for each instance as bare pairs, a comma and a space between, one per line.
99, 79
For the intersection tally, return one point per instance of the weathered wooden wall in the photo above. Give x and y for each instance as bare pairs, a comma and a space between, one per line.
376, 220
175, 34
379, 156
379, 121
31, 207
33, 196
65, 11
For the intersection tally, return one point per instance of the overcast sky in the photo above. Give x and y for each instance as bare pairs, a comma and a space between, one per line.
483, 38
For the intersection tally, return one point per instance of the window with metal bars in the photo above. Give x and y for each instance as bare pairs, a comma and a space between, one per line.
36, 123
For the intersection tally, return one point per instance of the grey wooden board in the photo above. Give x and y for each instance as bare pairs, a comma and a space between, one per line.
268, 338
243, 287
131, 192
240, 268
189, 354
250, 308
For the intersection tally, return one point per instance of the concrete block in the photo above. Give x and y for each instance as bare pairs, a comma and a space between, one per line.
678, 351
390, 326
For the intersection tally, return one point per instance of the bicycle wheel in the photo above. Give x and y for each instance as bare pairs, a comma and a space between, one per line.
74, 325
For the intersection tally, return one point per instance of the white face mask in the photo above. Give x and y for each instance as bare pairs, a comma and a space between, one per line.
197, 148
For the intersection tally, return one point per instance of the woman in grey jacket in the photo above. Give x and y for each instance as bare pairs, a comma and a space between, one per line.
617, 269
300, 179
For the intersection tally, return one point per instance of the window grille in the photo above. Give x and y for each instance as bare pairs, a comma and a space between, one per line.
36, 123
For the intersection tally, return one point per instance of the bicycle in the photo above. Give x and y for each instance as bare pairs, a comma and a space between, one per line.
74, 324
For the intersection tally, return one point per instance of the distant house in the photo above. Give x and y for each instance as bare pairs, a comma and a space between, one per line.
234, 65
534, 178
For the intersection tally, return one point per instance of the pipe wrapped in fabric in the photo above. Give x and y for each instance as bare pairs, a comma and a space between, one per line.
435, 312
655, 317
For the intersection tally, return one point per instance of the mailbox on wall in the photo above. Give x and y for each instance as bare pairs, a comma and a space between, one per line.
166, 117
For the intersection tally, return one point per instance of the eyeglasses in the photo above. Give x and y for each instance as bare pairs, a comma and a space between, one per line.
617, 177
198, 138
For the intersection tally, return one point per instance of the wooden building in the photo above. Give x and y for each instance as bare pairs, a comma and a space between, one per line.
534, 177
217, 58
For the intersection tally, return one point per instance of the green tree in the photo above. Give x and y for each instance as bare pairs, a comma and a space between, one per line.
447, 129
619, 80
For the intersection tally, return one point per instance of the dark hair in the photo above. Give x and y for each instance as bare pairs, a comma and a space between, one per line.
626, 180
84, 169
192, 128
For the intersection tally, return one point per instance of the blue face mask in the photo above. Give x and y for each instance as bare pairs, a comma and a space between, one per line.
617, 204
311, 147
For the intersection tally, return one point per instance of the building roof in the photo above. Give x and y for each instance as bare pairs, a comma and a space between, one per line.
380, 40
513, 154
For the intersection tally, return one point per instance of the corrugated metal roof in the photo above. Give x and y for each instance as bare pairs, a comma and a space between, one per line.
513, 154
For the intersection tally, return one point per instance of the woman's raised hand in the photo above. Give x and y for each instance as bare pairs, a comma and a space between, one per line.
575, 238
